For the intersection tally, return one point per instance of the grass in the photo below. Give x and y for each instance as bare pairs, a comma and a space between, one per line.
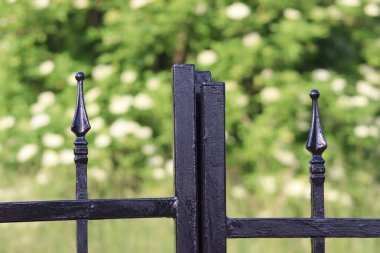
147, 236
151, 235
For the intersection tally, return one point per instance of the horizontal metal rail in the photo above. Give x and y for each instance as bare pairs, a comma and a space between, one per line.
303, 228
91, 209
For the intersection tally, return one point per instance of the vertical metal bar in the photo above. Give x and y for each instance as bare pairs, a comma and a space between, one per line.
80, 126
213, 184
316, 145
185, 159
201, 77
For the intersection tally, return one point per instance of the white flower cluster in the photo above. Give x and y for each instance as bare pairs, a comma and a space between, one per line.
7, 122
366, 89
285, 157
156, 161
93, 109
81, 4
121, 128
69, 112
364, 131
251, 40
207, 57
137, 4
336, 172
268, 184
153, 83
42, 178
297, 188
200, 9
321, 75
334, 12
239, 192
267, 74
269, 94
50, 158
66, 156
292, 14
97, 124
41, 4
370, 74
149, 149
44, 100
372, 10
169, 167
98, 174
46, 67
160, 170
120, 104
128, 76
158, 173
349, 3
143, 102
92, 95
352, 101
102, 72
70, 80
242, 101
333, 195
338, 85
27, 152
40, 118
237, 11
51, 140
103, 141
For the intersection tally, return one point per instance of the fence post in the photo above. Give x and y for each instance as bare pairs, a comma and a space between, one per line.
213, 171
185, 159
201, 77
80, 126
316, 144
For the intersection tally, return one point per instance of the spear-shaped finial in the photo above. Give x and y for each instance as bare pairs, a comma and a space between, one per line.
316, 142
80, 127
81, 124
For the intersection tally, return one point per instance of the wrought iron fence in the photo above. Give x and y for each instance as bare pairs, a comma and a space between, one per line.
199, 203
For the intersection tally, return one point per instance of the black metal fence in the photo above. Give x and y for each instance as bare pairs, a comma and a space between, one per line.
199, 204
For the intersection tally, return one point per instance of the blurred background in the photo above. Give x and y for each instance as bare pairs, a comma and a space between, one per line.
270, 53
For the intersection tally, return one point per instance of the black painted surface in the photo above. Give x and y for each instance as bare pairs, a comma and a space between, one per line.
80, 127
303, 227
213, 185
201, 77
316, 145
185, 159
93, 209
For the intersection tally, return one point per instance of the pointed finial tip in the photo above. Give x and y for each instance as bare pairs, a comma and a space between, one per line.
80, 76
314, 94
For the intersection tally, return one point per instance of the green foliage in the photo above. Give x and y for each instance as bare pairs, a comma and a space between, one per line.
270, 53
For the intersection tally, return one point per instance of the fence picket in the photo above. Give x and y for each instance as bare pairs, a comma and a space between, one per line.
213, 171
185, 159
80, 127
316, 145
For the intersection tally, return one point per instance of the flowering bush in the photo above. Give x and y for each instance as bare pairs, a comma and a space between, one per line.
269, 53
